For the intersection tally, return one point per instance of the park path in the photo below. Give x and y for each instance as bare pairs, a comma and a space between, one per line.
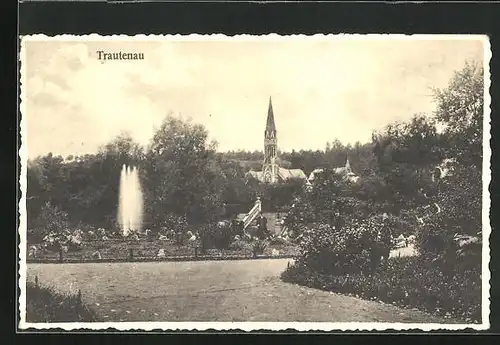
249, 290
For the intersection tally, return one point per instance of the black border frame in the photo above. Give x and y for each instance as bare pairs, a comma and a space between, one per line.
52, 18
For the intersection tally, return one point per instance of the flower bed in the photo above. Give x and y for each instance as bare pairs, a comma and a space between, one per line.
120, 250
407, 282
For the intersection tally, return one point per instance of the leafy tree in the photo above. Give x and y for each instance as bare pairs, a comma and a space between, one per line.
237, 190
406, 153
459, 194
451, 206
460, 110
279, 196
36, 196
45, 186
330, 201
182, 173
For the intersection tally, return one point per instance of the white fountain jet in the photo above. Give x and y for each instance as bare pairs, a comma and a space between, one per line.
130, 206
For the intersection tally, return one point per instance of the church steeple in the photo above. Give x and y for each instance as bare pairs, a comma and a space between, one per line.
270, 117
270, 167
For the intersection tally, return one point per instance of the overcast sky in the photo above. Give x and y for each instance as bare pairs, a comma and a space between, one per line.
321, 90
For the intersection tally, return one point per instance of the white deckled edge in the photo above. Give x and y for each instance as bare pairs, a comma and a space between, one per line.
251, 326
23, 157
486, 173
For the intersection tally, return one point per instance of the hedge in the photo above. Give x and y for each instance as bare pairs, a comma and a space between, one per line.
412, 282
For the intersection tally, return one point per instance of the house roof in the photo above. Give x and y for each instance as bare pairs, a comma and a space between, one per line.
314, 172
341, 170
286, 174
259, 175
344, 171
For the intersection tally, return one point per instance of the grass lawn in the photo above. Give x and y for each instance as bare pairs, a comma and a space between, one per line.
46, 305
248, 290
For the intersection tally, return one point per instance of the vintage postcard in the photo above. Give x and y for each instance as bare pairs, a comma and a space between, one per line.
326, 182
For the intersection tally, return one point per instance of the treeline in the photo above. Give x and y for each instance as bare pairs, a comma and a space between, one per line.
333, 155
182, 175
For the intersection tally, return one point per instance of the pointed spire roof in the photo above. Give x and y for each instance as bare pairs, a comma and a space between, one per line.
347, 164
270, 117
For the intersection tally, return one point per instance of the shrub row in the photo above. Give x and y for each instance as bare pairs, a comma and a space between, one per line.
407, 282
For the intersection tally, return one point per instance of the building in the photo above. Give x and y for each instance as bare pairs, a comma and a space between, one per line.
344, 171
271, 171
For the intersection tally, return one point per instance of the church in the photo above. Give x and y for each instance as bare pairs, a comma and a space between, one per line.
273, 173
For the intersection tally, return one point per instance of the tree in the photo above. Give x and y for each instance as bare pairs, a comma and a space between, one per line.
405, 154
46, 183
236, 189
278, 196
362, 159
452, 206
93, 182
330, 201
460, 111
459, 195
36, 196
182, 173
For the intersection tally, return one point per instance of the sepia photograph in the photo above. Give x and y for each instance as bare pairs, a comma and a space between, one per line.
326, 182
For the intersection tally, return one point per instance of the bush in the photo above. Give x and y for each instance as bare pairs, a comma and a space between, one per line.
173, 223
214, 236
276, 240
356, 247
400, 224
258, 247
50, 220
240, 245
453, 212
407, 282
45, 305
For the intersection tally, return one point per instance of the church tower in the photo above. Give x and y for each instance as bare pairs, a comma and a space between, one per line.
270, 167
